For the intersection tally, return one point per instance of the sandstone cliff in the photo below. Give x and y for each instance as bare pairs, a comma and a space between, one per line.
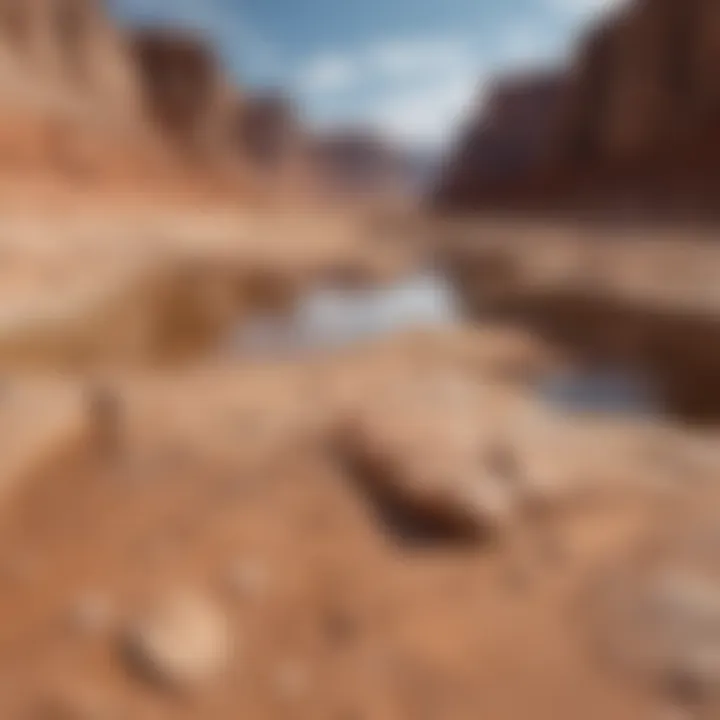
638, 126
186, 93
70, 96
507, 142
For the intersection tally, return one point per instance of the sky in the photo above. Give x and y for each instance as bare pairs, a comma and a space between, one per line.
411, 69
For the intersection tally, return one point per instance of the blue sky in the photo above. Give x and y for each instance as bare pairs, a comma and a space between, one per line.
410, 68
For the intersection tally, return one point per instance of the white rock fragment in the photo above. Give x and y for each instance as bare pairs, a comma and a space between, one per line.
182, 642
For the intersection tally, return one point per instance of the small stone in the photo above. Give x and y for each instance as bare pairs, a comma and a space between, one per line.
184, 641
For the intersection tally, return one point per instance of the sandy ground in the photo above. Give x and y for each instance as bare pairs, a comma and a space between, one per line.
227, 485
221, 479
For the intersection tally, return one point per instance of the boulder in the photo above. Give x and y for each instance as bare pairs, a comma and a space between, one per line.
416, 449
182, 641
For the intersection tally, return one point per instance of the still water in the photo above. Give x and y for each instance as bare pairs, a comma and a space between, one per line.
330, 318
334, 317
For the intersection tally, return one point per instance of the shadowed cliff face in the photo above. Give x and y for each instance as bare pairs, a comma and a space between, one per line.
507, 142
638, 125
185, 90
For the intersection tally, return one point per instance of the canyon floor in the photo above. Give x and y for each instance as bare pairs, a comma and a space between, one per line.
400, 527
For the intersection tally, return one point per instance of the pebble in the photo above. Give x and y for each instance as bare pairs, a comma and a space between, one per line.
184, 641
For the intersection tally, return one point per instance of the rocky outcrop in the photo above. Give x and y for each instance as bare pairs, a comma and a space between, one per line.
359, 163
83, 98
65, 50
185, 91
70, 93
507, 142
267, 131
637, 125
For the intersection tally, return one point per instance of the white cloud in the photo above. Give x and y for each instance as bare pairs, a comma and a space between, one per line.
426, 115
524, 46
584, 7
225, 22
402, 57
328, 73
382, 61
410, 89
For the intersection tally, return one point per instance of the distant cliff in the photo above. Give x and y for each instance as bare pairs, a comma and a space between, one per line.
637, 125
506, 143
353, 163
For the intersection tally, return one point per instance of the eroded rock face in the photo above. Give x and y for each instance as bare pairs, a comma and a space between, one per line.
421, 459
507, 143
184, 88
71, 46
637, 123
70, 92
267, 130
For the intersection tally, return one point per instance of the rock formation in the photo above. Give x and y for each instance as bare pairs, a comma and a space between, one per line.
62, 62
637, 126
508, 140
354, 163
185, 91
84, 98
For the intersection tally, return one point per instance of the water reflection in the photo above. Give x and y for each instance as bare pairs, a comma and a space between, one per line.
330, 318
606, 389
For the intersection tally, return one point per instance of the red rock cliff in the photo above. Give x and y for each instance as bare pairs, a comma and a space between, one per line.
638, 125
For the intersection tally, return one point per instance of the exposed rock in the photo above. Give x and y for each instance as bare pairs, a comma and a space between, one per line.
635, 128
357, 163
659, 612
70, 92
267, 129
181, 642
270, 138
418, 452
185, 90
506, 143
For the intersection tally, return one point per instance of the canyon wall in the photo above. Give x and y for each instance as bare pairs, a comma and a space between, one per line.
637, 127
506, 142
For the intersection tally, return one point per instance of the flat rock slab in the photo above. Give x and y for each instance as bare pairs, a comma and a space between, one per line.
418, 447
